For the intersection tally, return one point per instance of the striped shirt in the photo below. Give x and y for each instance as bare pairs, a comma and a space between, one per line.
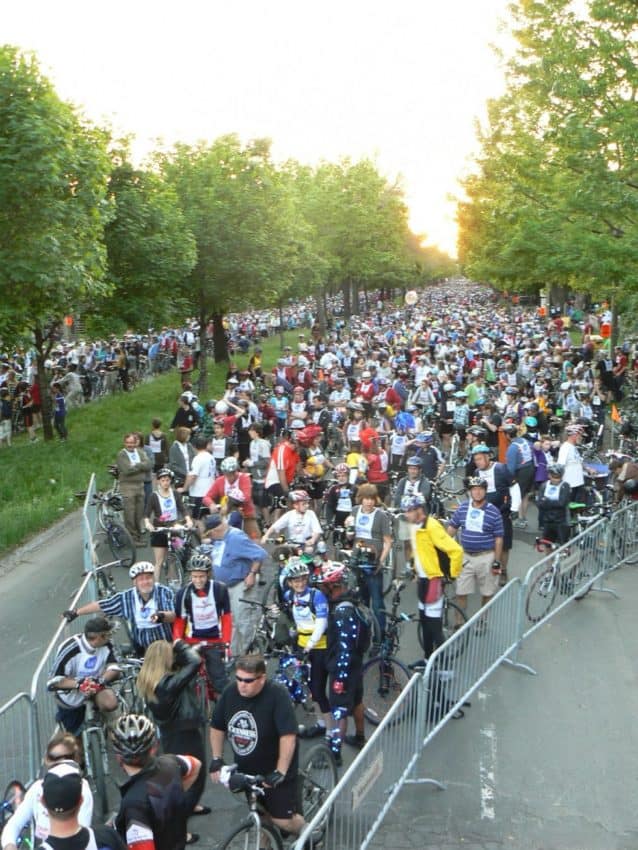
479, 526
123, 605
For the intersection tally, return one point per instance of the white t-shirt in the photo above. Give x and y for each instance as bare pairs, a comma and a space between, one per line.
203, 466
296, 526
569, 456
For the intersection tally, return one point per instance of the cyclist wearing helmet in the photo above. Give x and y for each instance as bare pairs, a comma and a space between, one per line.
83, 667
340, 497
203, 616
345, 657
284, 464
232, 479
572, 461
481, 531
165, 509
300, 525
520, 463
499, 480
552, 501
372, 532
429, 542
308, 609
412, 483
432, 461
147, 607
154, 807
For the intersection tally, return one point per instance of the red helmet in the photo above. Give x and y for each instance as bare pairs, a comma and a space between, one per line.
298, 496
333, 572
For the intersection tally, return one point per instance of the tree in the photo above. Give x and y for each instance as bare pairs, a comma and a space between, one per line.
150, 252
554, 197
54, 171
240, 209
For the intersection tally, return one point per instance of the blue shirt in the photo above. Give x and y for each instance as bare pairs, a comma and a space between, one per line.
233, 555
483, 530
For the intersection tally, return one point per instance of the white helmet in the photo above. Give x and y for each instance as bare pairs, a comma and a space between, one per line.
140, 568
221, 407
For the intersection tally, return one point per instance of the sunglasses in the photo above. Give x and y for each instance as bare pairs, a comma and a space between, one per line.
247, 681
59, 756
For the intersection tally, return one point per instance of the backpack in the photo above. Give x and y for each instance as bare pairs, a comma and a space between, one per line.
364, 632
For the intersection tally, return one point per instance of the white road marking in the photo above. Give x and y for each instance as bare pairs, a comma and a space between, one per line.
487, 771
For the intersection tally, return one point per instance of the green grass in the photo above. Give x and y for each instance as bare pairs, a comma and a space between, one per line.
38, 481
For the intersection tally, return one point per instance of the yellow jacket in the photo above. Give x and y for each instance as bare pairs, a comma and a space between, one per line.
425, 543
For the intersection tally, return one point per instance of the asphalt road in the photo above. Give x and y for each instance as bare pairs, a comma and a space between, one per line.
555, 749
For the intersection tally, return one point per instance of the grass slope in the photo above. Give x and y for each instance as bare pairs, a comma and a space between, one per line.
38, 480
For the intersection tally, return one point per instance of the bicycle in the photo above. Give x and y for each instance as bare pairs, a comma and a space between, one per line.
204, 688
118, 539
11, 799
263, 639
294, 674
561, 575
105, 585
384, 676
177, 552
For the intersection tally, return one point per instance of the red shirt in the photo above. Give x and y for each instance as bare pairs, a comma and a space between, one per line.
221, 486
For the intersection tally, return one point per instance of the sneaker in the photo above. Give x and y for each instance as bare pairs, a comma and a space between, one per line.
418, 665
520, 523
311, 731
357, 741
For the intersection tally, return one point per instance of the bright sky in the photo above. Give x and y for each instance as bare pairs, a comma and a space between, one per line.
402, 82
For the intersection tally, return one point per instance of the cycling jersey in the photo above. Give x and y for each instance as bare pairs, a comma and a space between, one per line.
77, 659
310, 614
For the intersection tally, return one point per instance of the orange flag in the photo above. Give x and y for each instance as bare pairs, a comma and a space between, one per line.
615, 416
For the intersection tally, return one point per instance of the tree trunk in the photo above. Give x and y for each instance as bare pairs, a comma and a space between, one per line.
345, 289
41, 381
282, 341
219, 338
367, 303
203, 358
354, 297
321, 311
613, 342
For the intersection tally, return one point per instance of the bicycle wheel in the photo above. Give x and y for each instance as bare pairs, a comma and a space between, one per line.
11, 799
259, 645
318, 778
541, 595
452, 482
120, 544
96, 774
383, 681
172, 573
248, 836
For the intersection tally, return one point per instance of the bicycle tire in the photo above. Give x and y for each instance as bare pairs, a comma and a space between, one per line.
121, 544
172, 572
13, 795
259, 645
318, 778
96, 775
383, 680
452, 483
248, 835
541, 595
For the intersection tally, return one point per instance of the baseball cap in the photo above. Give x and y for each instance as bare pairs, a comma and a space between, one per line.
213, 521
62, 787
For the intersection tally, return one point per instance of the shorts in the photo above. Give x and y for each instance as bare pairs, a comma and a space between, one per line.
5, 429
508, 533
259, 496
352, 696
71, 718
284, 801
525, 478
276, 495
159, 540
477, 570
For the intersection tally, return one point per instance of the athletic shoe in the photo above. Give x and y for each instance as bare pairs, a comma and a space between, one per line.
311, 731
357, 741
418, 665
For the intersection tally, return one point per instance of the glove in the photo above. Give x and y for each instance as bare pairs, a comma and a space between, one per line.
159, 617
70, 615
215, 765
274, 779
90, 686
496, 568
337, 687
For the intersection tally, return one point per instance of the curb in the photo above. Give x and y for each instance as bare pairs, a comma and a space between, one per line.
16, 557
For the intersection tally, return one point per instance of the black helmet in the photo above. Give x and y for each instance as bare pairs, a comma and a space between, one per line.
631, 486
165, 471
133, 735
475, 481
556, 469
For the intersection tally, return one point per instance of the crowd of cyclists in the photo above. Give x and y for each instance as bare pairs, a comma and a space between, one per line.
416, 435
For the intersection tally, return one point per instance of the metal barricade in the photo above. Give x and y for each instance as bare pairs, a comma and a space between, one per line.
566, 574
19, 754
44, 704
355, 809
623, 537
89, 519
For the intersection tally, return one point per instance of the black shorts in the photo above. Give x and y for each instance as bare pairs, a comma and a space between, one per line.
525, 478
159, 539
260, 498
352, 696
71, 718
284, 801
508, 533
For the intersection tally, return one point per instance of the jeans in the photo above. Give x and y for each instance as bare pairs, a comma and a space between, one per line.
372, 594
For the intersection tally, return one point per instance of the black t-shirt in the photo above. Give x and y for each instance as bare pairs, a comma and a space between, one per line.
254, 725
105, 839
